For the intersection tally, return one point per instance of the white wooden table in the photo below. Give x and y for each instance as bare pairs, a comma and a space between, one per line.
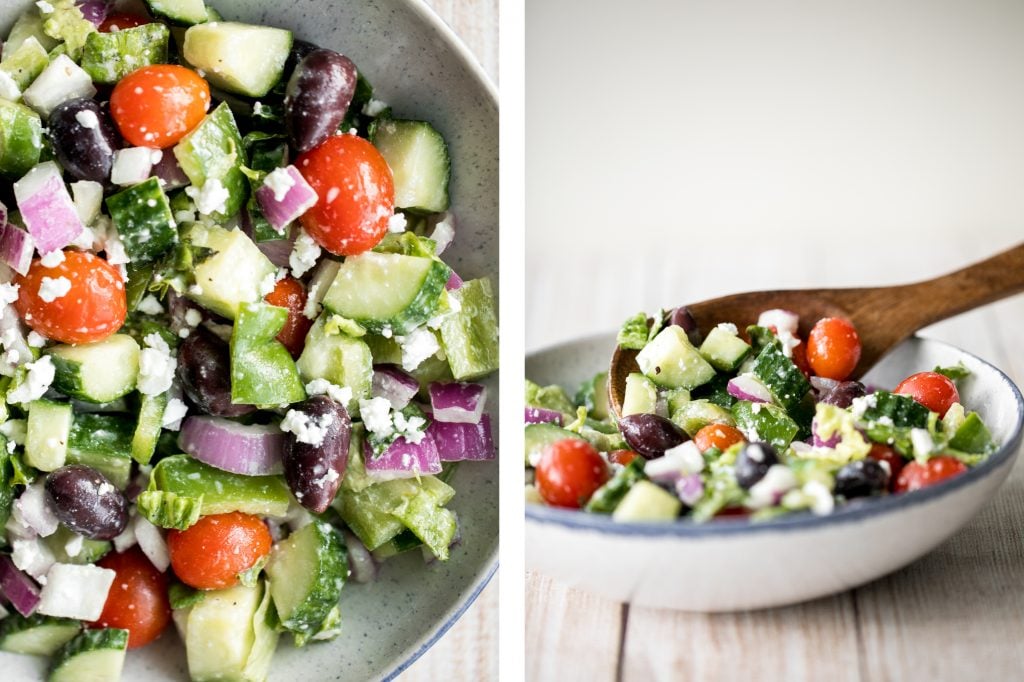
469, 651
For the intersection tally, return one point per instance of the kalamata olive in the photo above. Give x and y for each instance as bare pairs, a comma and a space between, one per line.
317, 97
204, 370
300, 48
861, 478
650, 435
313, 470
843, 394
681, 317
753, 463
87, 502
84, 139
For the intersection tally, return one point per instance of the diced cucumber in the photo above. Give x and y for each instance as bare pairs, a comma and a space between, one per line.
6, 487
37, 634
765, 423
539, 436
26, 63
109, 57
220, 491
723, 349
232, 275
387, 291
401, 543
28, 25
694, 415
972, 436
670, 360
341, 359
379, 512
67, 23
262, 370
306, 572
646, 501
902, 410
98, 372
787, 383
48, 433
213, 151
169, 510
469, 337
229, 635
147, 429
608, 497
640, 396
179, 11
593, 395
324, 273
419, 161
241, 58
90, 551
21, 139
92, 656
144, 221
675, 398
103, 442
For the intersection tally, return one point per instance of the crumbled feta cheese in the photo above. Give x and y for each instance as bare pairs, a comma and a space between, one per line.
75, 591
131, 165
44, 7
32, 556
822, 502
304, 254
8, 293
14, 430
52, 259
279, 181
397, 223
156, 366
386, 332
922, 442
210, 198
193, 317
87, 119
376, 415
862, 405
267, 284
73, 547
37, 381
114, 248
341, 394
312, 307
374, 107
34, 510
173, 414
777, 481
305, 428
150, 305
417, 346
688, 456
9, 89
411, 428
87, 237
50, 289
728, 327
156, 157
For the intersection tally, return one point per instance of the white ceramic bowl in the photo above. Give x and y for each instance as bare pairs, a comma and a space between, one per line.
420, 67
735, 564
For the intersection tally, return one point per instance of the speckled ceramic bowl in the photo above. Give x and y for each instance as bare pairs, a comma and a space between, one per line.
422, 70
731, 565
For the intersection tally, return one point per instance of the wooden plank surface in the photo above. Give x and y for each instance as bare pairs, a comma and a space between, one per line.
469, 651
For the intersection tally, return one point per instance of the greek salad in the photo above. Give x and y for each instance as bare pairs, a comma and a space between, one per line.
719, 423
235, 373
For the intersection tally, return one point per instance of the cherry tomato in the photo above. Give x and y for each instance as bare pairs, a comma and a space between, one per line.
569, 472
156, 106
833, 348
137, 601
356, 190
622, 457
800, 358
289, 293
721, 436
211, 553
121, 21
916, 476
732, 512
884, 453
933, 390
93, 308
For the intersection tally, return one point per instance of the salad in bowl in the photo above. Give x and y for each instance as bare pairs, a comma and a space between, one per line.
237, 371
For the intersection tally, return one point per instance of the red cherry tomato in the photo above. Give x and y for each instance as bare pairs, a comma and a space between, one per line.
800, 358
211, 553
916, 476
833, 348
884, 453
935, 391
357, 194
121, 21
93, 308
721, 436
289, 293
622, 457
732, 512
156, 106
137, 601
569, 472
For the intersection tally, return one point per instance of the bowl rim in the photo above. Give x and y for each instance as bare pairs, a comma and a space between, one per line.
802, 521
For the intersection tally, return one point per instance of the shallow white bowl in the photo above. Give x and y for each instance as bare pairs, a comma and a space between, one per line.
735, 564
417, 65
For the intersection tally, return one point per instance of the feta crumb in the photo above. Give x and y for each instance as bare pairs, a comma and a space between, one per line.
376, 415
342, 394
87, 119
44, 7
210, 198
374, 107
728, 327
9, 89
280, 181
822, 502
268, 283
156, 366
413, 429
193, 317
173, 414
8, 293
37, 381
50, 289
305, 428
397, 223
36, 340
922, 442
304, 254
777, 481
14, 430
52, 259
32, 556
417, 346
150, 305
312, 307
73, 547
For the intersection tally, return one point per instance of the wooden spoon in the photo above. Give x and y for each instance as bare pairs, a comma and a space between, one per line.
883, 316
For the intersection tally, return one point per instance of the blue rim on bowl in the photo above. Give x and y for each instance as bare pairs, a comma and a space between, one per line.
686, 528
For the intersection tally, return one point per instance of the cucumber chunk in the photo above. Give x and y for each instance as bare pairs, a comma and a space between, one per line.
787, 383
902, 410
307, 571
670, 360
179, 11
647, 501
103, 442
89, 552
240, 58
694, 415
48, 433
724, 350
608, 497
25, 64
213, 151
419, 161
92, 656
21, 139
232, 275
148, 429
539, 436
387, 291
341, 359
640, 396
28, 25
766, 423
220, 491
97, 372
109, 57
470, 336
143, 218
37, 634
593, 395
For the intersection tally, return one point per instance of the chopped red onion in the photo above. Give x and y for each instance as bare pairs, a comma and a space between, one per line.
360, 561
284, 196
690, 489
463, 442
746, 387
540, 415
403, 459
819, 442
17, 587
47, 208
3, 214
277, 251
457, 402
454, 282
248, 450
95, 11
168, 170
391, 383
16, 248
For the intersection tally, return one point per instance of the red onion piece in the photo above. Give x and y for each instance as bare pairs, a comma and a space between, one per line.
95, 11
18, 588
282, 202
454, 282
403, 459
277, 251
540, 415
819, 442
248, 450
746, 387
360, 561
3, 214
463, 442
457, 402
689, 489
168, 170
47, 208
16, 248
395, 385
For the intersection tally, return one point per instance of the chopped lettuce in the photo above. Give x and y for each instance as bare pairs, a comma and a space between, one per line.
549, 398
634, 332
